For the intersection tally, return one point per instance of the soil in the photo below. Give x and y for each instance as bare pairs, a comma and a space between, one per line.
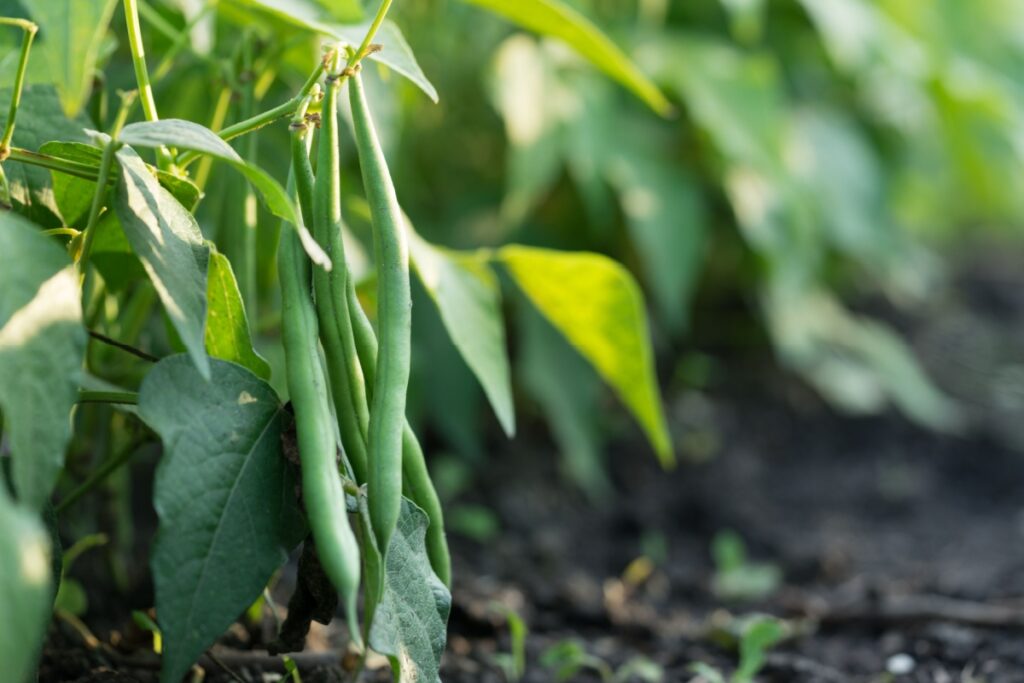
901, 551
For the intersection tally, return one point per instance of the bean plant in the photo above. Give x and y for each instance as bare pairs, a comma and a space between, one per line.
275, 396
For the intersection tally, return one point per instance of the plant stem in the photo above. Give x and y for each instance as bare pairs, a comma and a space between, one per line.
127, 348
260, 120
79, 170
98, 475
250, 215
19, 80
127, 101
97, 205
122, 397
131, 15
358, 55
63, 232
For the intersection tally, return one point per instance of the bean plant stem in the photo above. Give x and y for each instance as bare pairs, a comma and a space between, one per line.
52, 163
106, 163
250, 216
131, 14
288, 108
263, 119
122, 397
378, 20
29, 30
106, 468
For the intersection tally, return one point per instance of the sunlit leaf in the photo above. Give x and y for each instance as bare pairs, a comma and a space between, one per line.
227, 327
167, 239
555, 18
25, 588
42, 343
595, 303
186, 135
395, 53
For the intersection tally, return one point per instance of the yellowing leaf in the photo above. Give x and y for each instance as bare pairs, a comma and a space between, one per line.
597, 305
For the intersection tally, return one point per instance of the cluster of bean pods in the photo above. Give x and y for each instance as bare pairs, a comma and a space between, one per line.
356, 389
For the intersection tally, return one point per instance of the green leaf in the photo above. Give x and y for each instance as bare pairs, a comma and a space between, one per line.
569, 393
410, 621
396, 53
468, 297
74, 195
857, 363
25, 588
227, 327
225, 496
70, 35
732, 95
665, 216
186, 135
42, 344
554, 18
112, 255
40, 119
595, 303
758, 637
166, 238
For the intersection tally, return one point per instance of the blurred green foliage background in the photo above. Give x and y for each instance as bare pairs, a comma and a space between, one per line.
816, 151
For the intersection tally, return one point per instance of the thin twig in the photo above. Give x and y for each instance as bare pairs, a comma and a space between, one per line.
127, 348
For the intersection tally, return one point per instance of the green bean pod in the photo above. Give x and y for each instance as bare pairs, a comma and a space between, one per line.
416, 482
321, 485
347, 384
394, 308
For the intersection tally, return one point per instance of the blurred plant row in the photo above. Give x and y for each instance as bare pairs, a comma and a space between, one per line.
809, 150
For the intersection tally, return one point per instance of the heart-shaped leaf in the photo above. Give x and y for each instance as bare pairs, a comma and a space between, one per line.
225, 496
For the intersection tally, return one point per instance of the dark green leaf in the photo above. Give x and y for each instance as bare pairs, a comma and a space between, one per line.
225, 496
25, 588
411, 620
42, 343
227, 327
167, 240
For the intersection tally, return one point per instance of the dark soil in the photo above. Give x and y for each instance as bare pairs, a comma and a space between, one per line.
900, 550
